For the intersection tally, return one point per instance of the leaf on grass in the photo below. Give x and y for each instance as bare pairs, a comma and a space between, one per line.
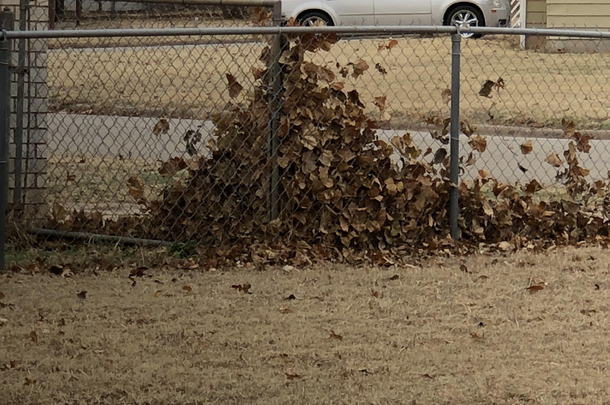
527, 147
245, 287
29, 381
161, 127
286, 310
333, 335
463, 268
70, 177
394, 277
34, 336
158, 293
187, 288
290, 297
431, 377
292, 376
475, 335
535, 288
554, 160
138, 272
234, 87
375, 294
82, 295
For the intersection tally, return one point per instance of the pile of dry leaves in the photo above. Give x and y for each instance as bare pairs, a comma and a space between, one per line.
340, 193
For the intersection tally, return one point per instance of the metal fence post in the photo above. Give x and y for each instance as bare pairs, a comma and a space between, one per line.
18, 136
6, 23
454, 210
275, 85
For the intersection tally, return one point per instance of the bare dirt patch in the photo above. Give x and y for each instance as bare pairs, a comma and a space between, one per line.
518, 329
541, 89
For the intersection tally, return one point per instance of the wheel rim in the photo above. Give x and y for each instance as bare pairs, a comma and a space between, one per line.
465, 19
313, 21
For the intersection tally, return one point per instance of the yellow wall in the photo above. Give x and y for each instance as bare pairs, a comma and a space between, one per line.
593, 14
536, 13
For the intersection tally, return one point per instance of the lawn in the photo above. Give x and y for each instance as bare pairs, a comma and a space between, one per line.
540, 89
516, 329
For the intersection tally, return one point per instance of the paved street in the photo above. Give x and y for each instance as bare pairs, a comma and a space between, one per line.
133, 137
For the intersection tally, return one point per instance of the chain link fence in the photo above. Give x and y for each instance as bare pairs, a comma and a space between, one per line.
330, 141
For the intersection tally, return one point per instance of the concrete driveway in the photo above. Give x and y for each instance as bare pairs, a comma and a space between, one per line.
133, 137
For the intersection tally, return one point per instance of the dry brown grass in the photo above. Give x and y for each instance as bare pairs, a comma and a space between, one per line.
541, 88
432, 335
101, 183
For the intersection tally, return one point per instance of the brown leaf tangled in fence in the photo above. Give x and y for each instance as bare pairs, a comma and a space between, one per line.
340, 191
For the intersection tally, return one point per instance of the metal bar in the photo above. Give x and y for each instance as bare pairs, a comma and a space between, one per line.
79, 11
6, 23
98, 237
18, 135
454, 209
275, 88
52, 7
373, 30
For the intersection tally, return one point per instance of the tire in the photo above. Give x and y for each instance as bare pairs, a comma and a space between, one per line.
309, 18
463, 14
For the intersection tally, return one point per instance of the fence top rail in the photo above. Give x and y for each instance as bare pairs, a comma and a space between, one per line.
346, 30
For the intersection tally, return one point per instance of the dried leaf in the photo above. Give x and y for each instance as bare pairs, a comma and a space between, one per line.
187, 288
360, 66
136, 187
483, 173
292, 376
333, 335
486, 89
338, 86
82, 295
446, 96
534, 288
245, 287
161, 127
478, 143
34, 336
390, 45
526, 147
381, 69
234, 87
380, 102
554, 160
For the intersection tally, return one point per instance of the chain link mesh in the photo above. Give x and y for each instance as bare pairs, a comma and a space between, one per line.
322, 141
